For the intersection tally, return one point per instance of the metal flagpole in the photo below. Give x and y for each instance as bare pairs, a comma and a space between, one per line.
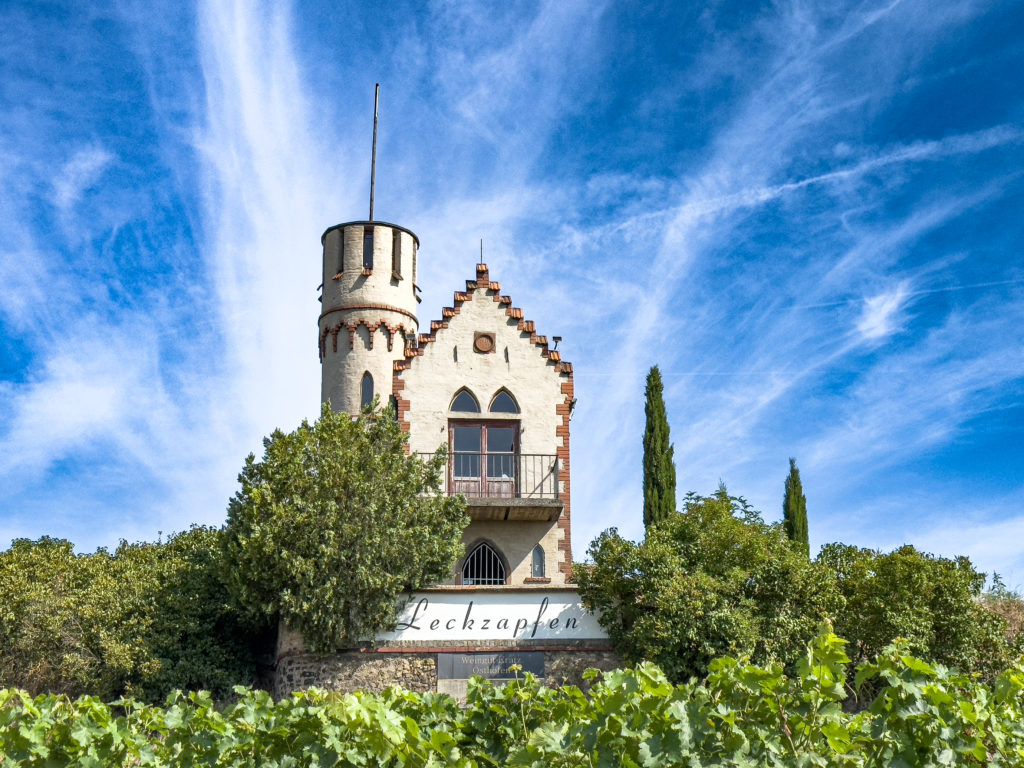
373, 160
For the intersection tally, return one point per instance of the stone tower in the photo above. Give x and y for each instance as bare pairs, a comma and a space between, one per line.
368, 310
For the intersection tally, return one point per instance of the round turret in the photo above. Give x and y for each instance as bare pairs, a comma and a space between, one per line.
368, 310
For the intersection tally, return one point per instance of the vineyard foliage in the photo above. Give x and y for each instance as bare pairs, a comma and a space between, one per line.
740, 715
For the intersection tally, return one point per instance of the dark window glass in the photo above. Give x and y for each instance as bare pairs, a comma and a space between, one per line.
396, 253
501, 439
467, 439
368, 248
503, 403
366, 395
465, 403
466, 452
538, 562
501, 461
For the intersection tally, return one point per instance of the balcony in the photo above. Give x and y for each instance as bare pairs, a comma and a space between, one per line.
505, 486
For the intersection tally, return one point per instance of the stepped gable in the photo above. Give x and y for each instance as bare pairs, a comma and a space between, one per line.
493, 290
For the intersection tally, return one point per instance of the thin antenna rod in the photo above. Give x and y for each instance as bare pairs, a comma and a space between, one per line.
373, 159
481, 250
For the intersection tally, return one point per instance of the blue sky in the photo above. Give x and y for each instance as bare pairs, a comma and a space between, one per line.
808, 214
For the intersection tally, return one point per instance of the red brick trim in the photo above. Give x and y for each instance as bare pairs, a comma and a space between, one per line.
480, 648
397, 387
387, 307
561, 367
334, 330
565, 519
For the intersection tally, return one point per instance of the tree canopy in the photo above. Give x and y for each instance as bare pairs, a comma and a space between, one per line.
659, 468
794, 510
711, 580
334, 523
933, 602
715, 579
145, 619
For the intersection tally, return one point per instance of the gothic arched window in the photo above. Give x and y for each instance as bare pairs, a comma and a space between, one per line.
366, 390
504, 403
538, 562
464, 402
484, 566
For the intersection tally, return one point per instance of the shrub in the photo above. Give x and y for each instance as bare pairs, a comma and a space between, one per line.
713, 579
146, 619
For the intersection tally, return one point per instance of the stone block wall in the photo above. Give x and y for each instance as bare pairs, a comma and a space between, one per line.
356, 671
567, 667
373, 671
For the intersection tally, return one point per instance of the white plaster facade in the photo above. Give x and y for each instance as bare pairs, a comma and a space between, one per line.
425, 372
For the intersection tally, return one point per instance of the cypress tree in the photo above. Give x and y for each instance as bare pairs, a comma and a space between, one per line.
794, 510
659, 469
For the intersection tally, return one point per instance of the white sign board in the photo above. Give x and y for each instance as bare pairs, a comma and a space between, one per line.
463, 615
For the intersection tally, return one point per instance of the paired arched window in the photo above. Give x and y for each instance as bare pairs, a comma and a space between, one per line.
483, 566
366, 390
502, 402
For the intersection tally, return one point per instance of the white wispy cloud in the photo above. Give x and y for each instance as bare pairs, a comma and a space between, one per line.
882, 315
266, 197
990, 538
761, 270
725, 400
82, 171
74, 399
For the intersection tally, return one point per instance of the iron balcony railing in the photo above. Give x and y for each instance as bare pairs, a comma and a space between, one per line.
501, 475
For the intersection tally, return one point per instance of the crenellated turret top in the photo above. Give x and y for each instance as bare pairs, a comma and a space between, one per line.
412, 234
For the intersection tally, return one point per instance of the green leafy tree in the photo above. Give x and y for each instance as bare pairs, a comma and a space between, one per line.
334, 523
196, 637
659, 468
1007, 603
794, 510
67, 623
712, 580
933, 602
145, 619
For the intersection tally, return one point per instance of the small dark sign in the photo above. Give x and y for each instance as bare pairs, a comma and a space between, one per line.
493, 666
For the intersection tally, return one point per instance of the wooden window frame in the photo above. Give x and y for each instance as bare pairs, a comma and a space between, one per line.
487, 487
